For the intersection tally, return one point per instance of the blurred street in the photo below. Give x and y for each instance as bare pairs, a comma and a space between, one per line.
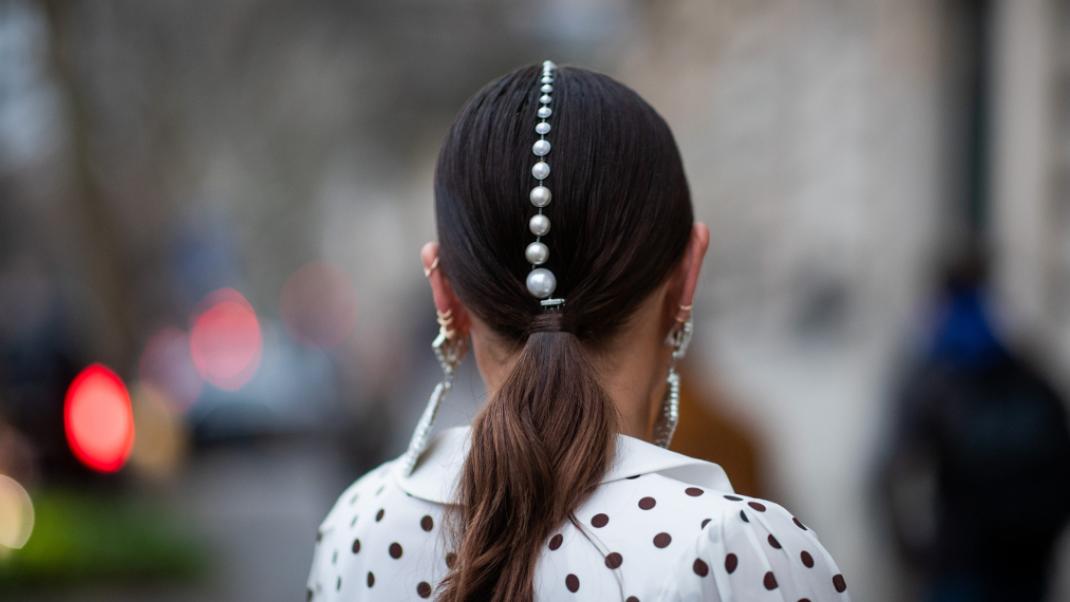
255, 508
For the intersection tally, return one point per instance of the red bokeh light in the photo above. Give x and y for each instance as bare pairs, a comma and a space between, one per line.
318, 305
98, 419
225, 342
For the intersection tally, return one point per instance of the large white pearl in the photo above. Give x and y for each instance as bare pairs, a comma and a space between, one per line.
537, 253
542, 128
546, 88
541, 148
540, 170
539, 224
540, 196
545, 99
541, 283
544, 112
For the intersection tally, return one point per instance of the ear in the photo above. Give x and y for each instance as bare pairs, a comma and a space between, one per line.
444, 298
689, 269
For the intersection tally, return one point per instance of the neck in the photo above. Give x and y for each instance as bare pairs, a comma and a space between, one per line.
634, 379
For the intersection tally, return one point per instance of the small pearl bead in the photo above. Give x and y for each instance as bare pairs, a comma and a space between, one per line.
542, 128
541, 148
546, 88
539, 224
545, 99
537, 253
544, 112
546, 79
541, 283
540, 196
540, 170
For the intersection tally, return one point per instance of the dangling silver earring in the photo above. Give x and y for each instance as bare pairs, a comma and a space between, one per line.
449, 349
679, 338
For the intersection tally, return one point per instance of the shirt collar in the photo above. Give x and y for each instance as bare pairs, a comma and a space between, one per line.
439, 467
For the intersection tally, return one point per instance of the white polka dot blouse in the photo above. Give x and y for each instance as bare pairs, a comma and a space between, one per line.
660, 526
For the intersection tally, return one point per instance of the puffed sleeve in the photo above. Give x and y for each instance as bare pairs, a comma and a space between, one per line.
756, 550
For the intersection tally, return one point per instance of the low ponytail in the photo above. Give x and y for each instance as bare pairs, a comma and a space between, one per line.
539, 447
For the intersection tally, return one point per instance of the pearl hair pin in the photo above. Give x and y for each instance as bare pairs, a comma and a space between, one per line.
541, 282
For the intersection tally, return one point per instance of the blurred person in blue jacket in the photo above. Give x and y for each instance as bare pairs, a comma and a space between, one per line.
977, 481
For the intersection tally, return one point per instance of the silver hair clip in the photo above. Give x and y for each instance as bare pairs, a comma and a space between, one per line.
541, 282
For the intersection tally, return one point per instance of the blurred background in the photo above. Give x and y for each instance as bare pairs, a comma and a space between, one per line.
213, 315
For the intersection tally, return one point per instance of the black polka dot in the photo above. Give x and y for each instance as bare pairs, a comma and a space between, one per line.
743, 515
700, 567
760, 507
555, 541
694, 491
631, 599
334, 557
319, 536
769, 581
423, 589
353, 500
599, 520
395, 550
353, 522
807, 559
379, 515
572, 582
451, 559
731, 561
614, 560
634, 476
773, 541
647, 503
733, 498
662, 540
839, 583
379, 490
798, 523
804, 599
427, 523
308, 595
705, 522
338, 584
371, 579
356, 546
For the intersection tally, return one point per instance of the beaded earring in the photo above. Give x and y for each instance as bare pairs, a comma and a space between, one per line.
679, 338
449, 349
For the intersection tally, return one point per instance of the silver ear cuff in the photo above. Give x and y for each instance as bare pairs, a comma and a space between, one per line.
541, 282
679, 338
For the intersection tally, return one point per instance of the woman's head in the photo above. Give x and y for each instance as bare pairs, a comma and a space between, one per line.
624, 249
620, 215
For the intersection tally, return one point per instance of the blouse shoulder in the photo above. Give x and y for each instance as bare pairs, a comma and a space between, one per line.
324, 581
754, 549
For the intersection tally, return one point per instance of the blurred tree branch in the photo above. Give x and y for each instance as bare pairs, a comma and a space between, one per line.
102, 236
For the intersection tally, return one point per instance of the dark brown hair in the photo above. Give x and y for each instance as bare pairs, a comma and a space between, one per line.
621, 218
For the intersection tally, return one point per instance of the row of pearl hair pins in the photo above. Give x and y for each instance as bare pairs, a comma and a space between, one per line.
541, 282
